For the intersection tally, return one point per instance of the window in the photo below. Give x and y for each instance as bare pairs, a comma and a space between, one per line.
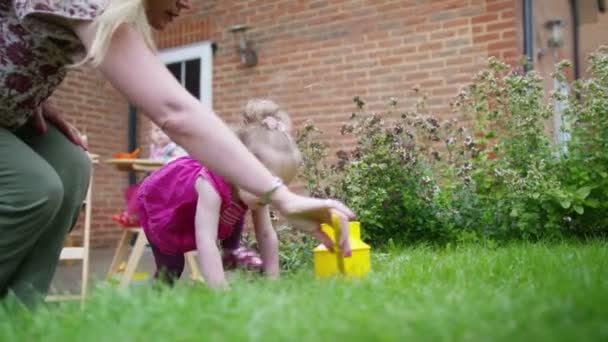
192, 67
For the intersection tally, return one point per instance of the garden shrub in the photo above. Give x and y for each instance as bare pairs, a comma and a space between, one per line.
584, 167
413, 177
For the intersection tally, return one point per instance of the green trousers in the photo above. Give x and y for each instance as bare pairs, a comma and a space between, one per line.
43, 183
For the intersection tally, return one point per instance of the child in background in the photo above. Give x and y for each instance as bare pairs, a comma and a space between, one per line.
161, 146
161, 149
184, 206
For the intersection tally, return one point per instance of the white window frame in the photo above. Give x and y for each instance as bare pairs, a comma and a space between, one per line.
200, 50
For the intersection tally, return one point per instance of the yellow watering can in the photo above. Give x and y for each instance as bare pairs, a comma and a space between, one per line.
327, 263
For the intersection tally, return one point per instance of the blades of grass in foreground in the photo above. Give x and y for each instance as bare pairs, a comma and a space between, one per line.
556, 292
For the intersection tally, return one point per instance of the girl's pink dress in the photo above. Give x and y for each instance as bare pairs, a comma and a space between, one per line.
167, 202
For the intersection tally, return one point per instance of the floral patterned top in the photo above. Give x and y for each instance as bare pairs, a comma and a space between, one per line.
35, 49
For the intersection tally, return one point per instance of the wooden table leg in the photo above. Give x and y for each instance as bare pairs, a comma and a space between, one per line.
121, 252
134, 259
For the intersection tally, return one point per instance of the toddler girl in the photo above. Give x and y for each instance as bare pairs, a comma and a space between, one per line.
184, 206
162, 148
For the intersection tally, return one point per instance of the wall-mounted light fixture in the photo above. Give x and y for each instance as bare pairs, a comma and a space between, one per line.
556, 35
248, 55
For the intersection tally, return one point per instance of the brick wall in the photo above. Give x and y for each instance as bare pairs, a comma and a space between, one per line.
592, 36
314, 56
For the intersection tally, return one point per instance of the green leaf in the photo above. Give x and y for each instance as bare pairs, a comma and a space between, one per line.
592, 202
535, 195
513, 212
565, 203
579, 209
583, 192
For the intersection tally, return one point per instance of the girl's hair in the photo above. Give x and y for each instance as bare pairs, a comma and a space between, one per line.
116, 13
266, 133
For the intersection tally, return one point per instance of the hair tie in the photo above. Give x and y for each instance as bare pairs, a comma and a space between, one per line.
273, 124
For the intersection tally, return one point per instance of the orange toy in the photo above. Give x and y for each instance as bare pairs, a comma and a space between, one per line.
132, 155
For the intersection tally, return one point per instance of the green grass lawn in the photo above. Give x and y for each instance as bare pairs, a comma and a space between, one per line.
528, 292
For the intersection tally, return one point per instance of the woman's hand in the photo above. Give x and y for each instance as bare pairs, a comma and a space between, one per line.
307, 214
47, 112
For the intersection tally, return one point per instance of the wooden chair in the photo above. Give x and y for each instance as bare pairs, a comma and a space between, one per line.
72, 253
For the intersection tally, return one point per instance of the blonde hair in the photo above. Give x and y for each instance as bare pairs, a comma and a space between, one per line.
116, 13
265, 131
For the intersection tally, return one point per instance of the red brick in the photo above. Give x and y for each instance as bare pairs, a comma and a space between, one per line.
507, 14
508, 44
430, 46
484, 38
500, 26
449, 24
484, 18
443, 34
497, 7
508, 34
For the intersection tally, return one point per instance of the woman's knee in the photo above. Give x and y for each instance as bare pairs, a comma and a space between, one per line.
79, 165
71, 163
82, 168
39, 202
76, 177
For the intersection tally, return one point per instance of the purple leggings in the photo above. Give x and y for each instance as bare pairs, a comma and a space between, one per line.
170, 267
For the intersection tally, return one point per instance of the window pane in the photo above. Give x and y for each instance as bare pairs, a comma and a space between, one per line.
193, 77
176, 70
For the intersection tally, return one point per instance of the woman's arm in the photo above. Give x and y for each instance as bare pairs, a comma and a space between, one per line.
136, 72
206, 223
267, 240
139, 75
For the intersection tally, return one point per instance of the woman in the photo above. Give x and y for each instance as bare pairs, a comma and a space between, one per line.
43, 176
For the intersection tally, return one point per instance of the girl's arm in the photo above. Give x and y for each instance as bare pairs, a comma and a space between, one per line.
206, 223
267, 240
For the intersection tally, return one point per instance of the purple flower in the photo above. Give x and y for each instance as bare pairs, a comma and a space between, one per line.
42, 7
17, 30
29, 103
18, 82
18, 53
47, 70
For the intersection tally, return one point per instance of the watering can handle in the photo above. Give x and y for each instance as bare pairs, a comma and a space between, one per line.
335, 224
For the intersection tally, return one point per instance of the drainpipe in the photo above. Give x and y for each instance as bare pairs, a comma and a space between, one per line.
575, 35
528, 33
132, 137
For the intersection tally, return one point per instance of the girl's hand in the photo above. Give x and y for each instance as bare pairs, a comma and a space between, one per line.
307, 214
47, 112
